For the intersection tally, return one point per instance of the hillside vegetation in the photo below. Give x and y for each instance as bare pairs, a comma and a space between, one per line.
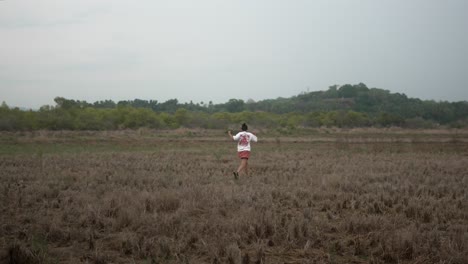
344, 106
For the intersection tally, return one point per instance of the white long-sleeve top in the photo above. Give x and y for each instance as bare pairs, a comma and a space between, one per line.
243, 140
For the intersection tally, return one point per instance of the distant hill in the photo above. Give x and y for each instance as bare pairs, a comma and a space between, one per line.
339, 106
372, 101
359, 98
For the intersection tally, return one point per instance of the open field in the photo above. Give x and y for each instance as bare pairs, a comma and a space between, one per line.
319, 196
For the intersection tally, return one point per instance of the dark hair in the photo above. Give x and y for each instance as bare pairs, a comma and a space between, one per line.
244, 127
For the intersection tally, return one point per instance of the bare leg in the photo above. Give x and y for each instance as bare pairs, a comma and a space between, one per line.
242, 165
246, 168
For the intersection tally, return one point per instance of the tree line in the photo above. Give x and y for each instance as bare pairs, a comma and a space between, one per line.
339, 106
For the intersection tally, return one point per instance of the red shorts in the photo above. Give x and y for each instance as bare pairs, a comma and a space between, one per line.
244, 154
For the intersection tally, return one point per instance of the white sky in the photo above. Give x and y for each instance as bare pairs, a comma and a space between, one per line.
214, 50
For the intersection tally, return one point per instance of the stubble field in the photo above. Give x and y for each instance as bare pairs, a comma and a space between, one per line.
326, 196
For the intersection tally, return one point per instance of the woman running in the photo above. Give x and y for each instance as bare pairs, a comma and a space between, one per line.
243, 139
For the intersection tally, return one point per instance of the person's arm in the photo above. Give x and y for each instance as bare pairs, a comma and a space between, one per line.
230, 135
254, 137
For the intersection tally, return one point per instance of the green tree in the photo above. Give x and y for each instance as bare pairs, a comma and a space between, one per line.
387, 119
182, 116
235, 105
355, 119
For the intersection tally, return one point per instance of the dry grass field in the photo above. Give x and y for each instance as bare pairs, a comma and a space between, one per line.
326, 196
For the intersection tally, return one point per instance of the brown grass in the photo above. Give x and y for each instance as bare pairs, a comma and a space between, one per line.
144, 198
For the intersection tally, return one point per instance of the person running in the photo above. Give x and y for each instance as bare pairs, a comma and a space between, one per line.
243, 139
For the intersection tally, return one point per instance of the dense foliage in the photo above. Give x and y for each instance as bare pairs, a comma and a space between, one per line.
344, 106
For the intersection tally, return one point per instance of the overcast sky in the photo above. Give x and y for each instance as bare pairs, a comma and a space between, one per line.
214, 50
